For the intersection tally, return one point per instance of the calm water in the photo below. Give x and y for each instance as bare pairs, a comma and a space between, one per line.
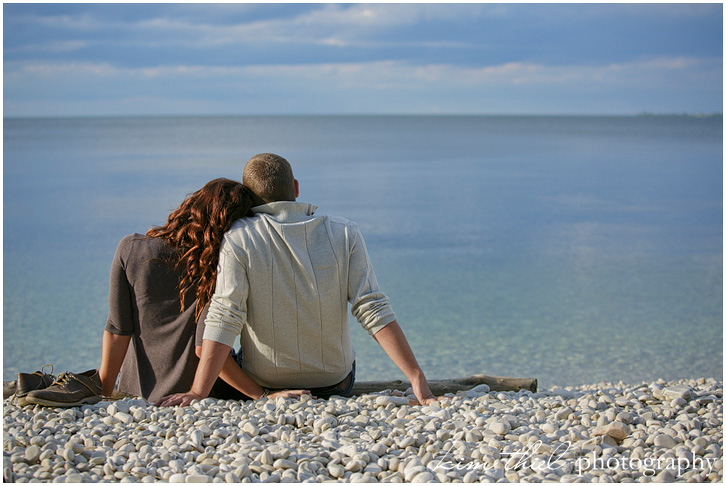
571, 249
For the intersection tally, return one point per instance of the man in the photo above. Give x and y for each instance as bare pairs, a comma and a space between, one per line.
284, 283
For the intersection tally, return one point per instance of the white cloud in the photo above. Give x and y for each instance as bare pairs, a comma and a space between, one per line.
339, 25
55, 47
33, 70
401, 73
664, 84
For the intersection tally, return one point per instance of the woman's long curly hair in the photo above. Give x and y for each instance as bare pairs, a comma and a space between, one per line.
195, 230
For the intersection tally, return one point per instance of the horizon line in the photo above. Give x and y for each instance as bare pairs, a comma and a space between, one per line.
291, 115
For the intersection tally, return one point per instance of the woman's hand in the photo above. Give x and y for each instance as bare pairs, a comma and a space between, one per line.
180, 399
289, 393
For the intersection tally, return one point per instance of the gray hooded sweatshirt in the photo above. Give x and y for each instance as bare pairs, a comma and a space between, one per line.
285, 279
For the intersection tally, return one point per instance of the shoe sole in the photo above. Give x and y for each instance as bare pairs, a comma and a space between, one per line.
22, 402
51, 403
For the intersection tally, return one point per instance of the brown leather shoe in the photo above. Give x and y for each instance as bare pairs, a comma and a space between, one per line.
28, 382
69, 390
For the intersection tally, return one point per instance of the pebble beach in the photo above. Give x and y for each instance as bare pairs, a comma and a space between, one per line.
650, 432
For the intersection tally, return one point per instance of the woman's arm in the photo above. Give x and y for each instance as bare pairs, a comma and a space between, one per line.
233, 375
237, 378
215, 357
113, 353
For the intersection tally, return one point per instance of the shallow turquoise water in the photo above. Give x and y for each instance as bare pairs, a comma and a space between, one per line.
573, 249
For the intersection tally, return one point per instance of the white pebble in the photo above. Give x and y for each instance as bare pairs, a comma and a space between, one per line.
198, 478
664, 440
500, 428
397, 401
32, 454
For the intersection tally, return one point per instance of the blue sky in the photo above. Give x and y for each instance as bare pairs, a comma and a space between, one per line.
472, 58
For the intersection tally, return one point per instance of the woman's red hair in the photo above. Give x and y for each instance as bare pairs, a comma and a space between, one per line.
195, 229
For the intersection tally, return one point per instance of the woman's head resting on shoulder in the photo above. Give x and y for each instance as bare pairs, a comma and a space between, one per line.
196, 229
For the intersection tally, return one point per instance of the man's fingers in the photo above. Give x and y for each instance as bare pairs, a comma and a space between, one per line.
169, 401
424, 401
161, 402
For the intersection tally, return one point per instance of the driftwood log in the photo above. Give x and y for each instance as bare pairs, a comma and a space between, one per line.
441, 387
438, 387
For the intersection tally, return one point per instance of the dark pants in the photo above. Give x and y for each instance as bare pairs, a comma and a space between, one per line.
223, 390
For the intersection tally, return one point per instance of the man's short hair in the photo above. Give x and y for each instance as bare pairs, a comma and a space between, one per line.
270, 179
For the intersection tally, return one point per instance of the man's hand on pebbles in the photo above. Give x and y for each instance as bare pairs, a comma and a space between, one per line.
289, 393
185, 399
180, 399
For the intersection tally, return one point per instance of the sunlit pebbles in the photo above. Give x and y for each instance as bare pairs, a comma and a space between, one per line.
600, 433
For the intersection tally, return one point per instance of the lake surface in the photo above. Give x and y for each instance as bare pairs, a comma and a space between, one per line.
571, 249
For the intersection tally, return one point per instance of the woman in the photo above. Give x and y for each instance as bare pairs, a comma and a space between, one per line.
160, 283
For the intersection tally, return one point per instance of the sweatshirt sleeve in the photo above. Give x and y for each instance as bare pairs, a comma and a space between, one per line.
228, 307
369, 305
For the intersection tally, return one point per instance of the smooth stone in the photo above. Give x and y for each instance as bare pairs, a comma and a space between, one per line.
123, 417
397, 401
665, 476
336, 470
664, 440
477, 391
265, 457
198, 478
231, 477
563, 413
68, 455
349, 450
626, 417
678, 403
251, 429
284, 464
355, 465
481, 389
617, 430
500, 428
32, 453
677, 391
122, 406
423, 477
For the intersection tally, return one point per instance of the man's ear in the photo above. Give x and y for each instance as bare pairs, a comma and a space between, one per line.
297, 189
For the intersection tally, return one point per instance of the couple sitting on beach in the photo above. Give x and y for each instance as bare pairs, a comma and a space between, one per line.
245, 261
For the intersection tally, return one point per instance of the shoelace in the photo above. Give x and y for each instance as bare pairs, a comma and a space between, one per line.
43, 372
64, 379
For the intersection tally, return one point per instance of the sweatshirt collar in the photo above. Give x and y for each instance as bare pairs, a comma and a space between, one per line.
286, 211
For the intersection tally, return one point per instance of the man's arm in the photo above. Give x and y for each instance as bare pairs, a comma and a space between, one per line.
113, 352
210, 364
236, 377
227, 314
395, 344
215, 361
241, 381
